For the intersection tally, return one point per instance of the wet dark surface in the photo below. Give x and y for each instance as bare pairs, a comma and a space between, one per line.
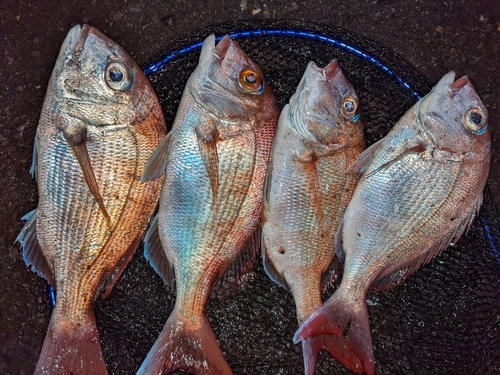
445, 319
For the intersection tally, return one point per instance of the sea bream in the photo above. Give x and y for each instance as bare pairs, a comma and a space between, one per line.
100, 122
420, 189
214, 159
307, 189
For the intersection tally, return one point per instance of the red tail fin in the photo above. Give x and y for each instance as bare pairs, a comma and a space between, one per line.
186, 345
71, 349
345, 317
337, 347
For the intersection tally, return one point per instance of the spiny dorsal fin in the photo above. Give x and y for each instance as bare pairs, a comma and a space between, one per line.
32, 253
399, 276
157, 162
154, 253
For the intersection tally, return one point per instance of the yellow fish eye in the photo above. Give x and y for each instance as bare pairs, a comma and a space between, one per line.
475, 121
349, 107
251, 82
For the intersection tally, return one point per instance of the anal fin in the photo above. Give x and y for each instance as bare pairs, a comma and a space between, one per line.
113, 277
154, 253
231, 282
32, 253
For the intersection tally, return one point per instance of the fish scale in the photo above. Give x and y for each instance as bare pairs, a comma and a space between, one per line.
307, 190
214, 159
95, 133
421, 187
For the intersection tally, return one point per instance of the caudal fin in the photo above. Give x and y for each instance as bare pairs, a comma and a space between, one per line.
71, 349
186, 345
347, 320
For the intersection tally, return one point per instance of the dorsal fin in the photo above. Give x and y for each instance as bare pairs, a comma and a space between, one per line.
231, 282
157, 162
399, 276
32, 253
154, 253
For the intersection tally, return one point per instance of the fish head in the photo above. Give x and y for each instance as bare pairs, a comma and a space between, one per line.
97, 82
453, 116
231, 87
325, 105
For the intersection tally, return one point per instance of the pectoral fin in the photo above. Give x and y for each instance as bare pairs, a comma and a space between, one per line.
414, 150
207, 144
78, 144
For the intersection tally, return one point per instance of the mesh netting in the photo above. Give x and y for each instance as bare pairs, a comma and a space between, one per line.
445, 319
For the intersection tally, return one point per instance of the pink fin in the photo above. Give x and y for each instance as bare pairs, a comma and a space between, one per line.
364, 159
154, 253
75, 350
186, 345
157, 162
337, 347
114, 275
231, 282
32, 253
346, 319
414, 150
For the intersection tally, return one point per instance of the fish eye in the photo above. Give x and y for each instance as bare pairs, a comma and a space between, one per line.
118, 77
475, 121
251, 82
349, 108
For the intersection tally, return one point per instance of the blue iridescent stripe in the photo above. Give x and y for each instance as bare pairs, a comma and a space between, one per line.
154, 67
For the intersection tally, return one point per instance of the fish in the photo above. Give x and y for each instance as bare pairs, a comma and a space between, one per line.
214, 160
307, 189
99, 123
420, 188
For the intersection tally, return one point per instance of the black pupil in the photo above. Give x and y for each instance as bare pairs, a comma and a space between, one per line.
115, 74
476, 118
349, 105
251, 78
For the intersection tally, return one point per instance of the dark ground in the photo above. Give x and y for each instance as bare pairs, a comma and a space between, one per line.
433, 36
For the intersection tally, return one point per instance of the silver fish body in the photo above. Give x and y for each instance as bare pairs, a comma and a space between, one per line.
308, 187
420, 190
216, 156
99, 123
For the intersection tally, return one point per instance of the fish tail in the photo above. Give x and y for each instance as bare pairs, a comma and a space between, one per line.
71, 348
188, 345
338, 347
345, 318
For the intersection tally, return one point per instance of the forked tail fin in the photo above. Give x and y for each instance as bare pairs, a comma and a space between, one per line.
346, 318
186, 345
337, 347
71, 349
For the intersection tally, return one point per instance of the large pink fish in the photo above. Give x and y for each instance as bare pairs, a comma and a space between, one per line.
215, 158
420, 190
99, 123
308, 187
